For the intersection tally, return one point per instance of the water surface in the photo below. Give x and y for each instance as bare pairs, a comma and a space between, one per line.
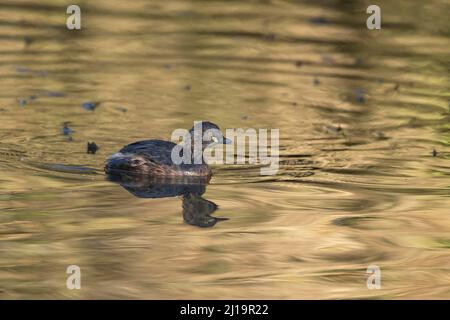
360, 113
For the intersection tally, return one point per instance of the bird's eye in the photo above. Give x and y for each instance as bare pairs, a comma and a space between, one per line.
215, 139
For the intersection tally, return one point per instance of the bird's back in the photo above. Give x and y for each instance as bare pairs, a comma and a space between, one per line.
158, 151
152, 157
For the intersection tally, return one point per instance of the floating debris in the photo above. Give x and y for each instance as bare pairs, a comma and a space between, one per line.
360, 95
122, 109
298, 63
244, 117
27, 41
168, 66
294, 103
397, 87
358, 62
435, 153
188, 87
319, 20
91, 106
316, 81
92, 147
66, 130
22, 102
332, 128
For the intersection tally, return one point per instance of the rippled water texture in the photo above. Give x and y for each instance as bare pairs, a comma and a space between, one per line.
360, 113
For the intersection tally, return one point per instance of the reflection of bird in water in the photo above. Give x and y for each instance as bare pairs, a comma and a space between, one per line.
196, 210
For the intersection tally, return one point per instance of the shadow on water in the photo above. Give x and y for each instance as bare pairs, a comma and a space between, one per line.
196, 210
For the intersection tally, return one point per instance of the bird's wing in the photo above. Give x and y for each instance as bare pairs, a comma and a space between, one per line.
157, 151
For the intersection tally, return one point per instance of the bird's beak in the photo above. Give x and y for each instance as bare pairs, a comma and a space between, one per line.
226, 141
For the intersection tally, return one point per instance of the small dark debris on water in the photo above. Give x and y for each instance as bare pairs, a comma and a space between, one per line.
397, 87
244, 117
358, 62
298, 63
122, 109
188, 87
91, 106
22, 102
92, 147
66, 130
319, 20
333, 129
27, 41
168, 66
294, 103
435, 153
360, 95
360, 99
316, 81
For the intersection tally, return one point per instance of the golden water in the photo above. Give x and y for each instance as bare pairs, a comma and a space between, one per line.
371, 193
